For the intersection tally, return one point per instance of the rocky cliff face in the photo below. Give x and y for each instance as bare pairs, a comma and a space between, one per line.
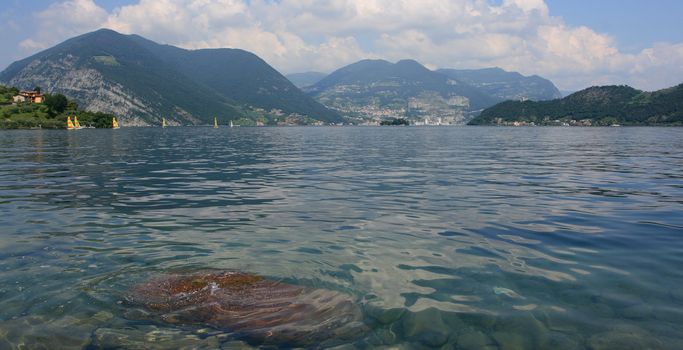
86, 85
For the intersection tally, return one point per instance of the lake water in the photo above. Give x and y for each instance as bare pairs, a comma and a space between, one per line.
450, 237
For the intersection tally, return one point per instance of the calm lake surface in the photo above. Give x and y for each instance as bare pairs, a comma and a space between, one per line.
450, 237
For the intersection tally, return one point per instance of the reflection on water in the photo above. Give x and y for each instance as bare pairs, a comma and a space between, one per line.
498, 238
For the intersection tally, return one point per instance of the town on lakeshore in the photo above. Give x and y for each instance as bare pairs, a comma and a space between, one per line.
172, 86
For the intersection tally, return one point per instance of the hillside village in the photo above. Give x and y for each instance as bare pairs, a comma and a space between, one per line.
32, 109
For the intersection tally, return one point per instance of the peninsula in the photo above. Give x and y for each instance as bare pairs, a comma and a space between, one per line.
594, 106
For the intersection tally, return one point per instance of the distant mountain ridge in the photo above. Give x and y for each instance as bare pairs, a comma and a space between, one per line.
598, 105
143, 81
413, 76
506, 85
301, 80
373, 90
378, 89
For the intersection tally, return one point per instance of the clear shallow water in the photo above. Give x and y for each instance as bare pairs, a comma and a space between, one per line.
498, 238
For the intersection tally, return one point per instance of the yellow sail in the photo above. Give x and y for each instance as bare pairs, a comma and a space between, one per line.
77, 125
163, 122
114, 123
215, 122
69, 124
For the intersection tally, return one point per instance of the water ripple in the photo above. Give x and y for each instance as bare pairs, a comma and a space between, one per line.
447, 237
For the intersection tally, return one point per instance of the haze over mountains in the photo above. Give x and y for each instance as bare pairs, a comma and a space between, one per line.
142, 81
302, 80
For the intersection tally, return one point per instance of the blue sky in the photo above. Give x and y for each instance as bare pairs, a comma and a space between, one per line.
635, 24
574, 43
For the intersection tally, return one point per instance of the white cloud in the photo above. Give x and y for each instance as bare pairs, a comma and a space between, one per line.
302, 35
31, 45
63, 20
528, 5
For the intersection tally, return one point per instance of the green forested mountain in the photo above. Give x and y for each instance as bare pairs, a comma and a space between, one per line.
506, 85
377, 89
142, 81
305, 79
603, 105
242, 77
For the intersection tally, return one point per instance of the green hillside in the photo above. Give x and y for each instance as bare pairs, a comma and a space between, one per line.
604, 105
242, 77
51, 114
143, 81
120, 61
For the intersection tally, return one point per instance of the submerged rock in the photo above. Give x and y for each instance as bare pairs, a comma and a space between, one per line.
150, 338
43, 332
626, 337
253, 307
426, 327
385, 316
520, 331
475, 340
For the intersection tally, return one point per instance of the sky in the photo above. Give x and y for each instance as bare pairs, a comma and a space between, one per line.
574, 43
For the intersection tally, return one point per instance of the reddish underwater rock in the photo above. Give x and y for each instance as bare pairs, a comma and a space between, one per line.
257, 308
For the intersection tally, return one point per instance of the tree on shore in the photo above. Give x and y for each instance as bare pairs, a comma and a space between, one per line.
57, 103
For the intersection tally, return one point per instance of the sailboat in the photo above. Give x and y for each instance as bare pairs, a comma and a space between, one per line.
69, 124
114, 123
163, 122
215, 123
77, 125
231, 123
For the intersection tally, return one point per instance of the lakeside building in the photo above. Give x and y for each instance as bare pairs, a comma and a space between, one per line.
28, 96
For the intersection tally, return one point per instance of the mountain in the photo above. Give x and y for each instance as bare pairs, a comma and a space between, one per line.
506, 85
305, 79
601, 105
377, 89
142, 81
